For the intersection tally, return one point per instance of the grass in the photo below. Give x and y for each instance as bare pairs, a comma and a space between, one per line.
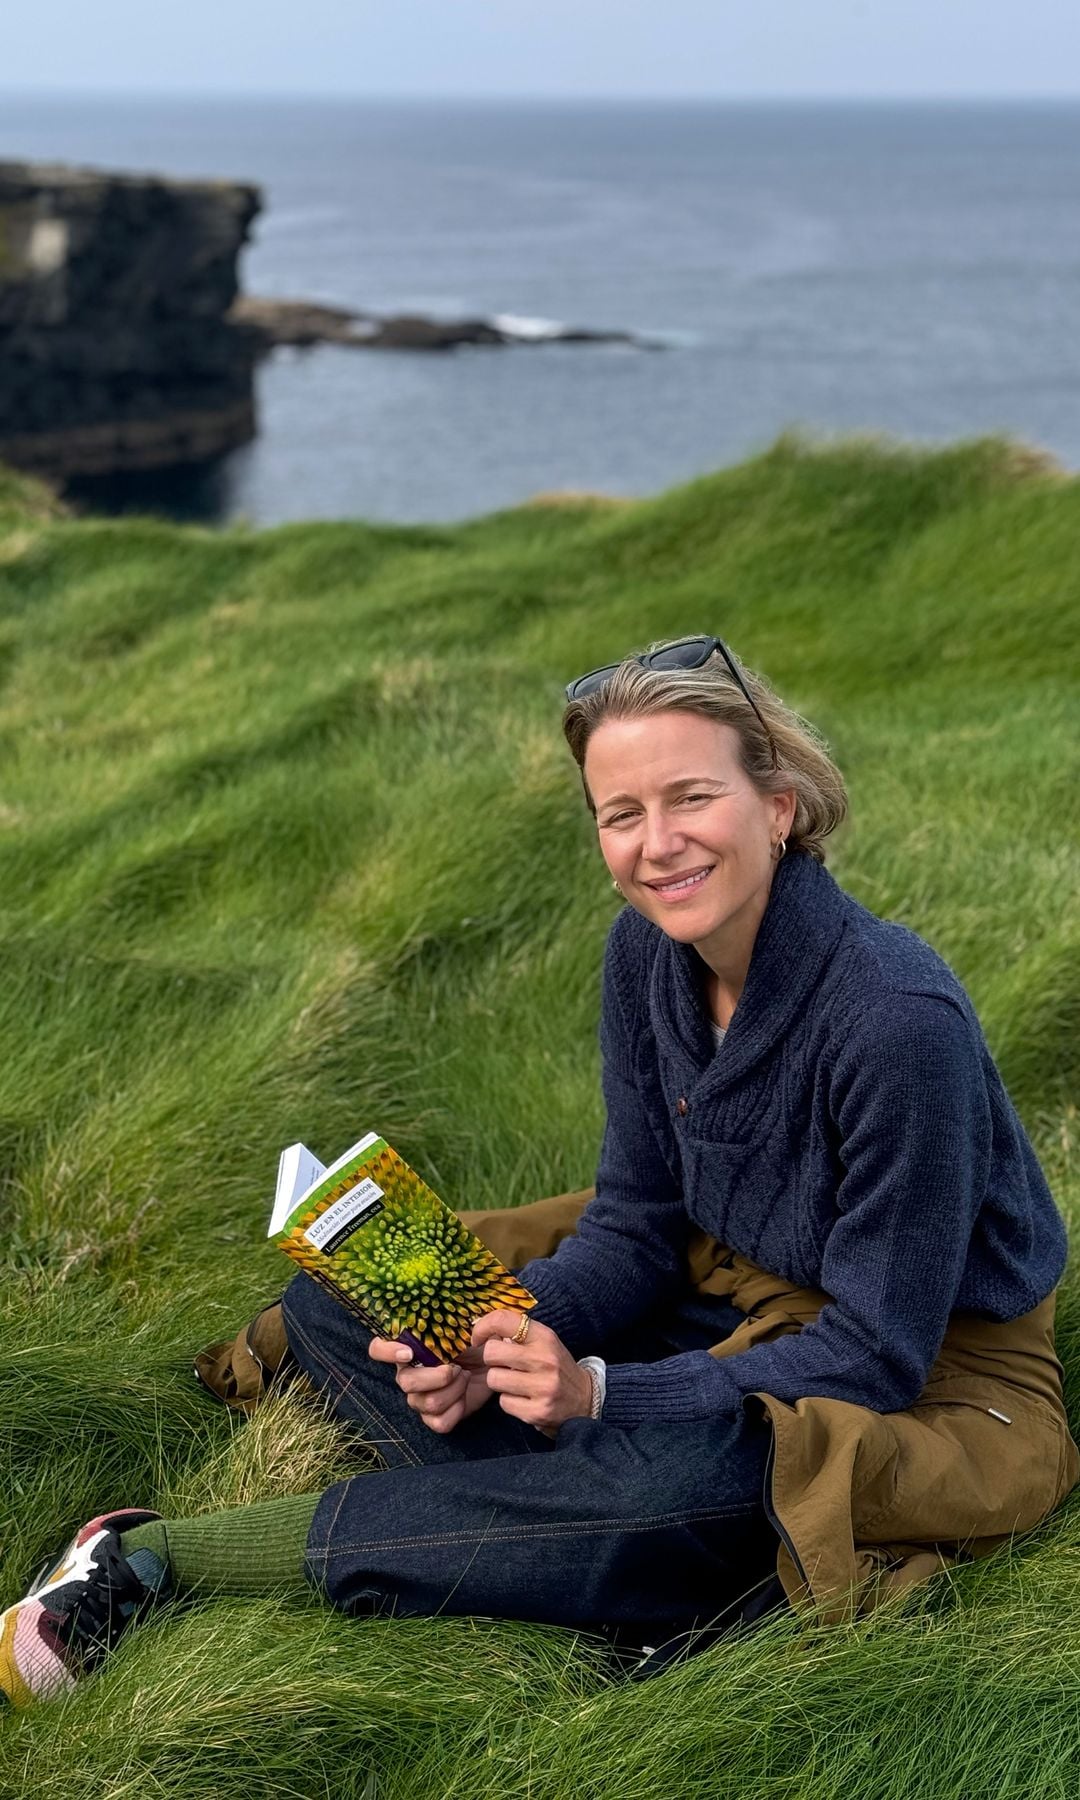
289, 846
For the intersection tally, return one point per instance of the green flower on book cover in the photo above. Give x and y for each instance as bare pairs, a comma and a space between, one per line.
416, 1266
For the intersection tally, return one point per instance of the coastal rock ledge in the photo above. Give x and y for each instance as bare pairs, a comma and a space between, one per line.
116, 352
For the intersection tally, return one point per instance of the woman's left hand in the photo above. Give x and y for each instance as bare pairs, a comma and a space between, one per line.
537, 1380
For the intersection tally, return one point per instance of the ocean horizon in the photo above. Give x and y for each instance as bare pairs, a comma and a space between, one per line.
902, 268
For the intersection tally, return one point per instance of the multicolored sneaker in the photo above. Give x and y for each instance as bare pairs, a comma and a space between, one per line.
76, 1609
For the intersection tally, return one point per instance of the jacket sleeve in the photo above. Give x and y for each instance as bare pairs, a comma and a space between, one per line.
913, 1117
629, 1251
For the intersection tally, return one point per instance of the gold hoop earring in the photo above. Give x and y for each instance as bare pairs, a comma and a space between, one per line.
615, 885
779, 850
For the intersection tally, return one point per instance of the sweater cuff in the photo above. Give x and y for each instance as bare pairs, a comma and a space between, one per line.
554, 1306
694, 1385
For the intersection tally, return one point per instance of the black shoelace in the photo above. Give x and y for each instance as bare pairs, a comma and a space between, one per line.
105, 1603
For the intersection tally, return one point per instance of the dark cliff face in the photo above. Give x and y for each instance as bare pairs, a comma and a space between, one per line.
115, 351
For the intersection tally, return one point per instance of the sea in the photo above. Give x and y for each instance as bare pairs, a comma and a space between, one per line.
911, 270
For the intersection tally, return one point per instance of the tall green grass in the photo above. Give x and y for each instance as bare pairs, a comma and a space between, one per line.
290, 846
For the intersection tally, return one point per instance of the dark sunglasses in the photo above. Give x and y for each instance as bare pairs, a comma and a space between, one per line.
685, 653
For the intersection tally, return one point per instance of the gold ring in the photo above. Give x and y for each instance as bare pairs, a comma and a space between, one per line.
522, 1331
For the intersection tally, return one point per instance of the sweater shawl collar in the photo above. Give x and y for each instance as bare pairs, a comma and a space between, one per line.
803, 920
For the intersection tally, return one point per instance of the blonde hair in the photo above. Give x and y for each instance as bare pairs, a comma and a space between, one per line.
802, 758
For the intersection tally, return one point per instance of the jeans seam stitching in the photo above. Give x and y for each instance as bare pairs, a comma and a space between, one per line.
332, 1527
651, 1522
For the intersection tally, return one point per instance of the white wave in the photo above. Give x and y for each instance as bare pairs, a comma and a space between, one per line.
515, 325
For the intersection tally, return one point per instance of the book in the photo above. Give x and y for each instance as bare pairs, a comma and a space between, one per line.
373, 1232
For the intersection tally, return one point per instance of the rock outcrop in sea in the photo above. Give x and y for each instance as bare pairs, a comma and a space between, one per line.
302, 323
125, 345
117, 351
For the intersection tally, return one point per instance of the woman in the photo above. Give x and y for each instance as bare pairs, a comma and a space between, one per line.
805, 1324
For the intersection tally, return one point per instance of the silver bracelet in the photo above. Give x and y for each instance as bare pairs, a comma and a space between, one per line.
597, 1371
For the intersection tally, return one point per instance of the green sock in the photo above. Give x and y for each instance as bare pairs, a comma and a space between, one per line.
248, 1550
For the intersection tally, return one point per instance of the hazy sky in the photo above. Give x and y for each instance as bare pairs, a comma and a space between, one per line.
738, 48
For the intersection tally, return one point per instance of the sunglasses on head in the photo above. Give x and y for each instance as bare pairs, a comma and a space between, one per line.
685, 653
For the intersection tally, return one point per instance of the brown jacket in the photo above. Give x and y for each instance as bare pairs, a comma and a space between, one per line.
866, 1504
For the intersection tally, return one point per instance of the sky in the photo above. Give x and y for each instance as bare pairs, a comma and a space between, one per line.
740, 49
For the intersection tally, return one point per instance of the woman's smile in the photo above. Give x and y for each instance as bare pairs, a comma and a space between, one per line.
680, 887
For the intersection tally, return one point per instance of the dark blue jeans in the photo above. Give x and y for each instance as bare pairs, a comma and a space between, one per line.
655, 1529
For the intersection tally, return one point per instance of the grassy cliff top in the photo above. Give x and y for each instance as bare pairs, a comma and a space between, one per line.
290, 846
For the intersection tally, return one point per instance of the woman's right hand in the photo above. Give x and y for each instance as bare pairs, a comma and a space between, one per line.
443, 1396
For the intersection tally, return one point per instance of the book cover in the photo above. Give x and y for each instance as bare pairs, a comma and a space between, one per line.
372, 1231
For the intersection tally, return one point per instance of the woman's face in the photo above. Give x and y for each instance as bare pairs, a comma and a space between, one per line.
686, 835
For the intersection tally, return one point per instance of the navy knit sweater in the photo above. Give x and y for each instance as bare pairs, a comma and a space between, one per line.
852, 1133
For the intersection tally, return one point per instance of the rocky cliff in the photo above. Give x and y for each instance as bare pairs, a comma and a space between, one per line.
115, 349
